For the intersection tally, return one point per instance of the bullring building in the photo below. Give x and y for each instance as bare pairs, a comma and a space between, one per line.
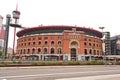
53, 43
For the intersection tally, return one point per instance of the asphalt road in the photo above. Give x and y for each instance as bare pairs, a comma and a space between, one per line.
61, 73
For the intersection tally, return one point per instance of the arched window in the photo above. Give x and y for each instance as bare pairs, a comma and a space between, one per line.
52, 42
46, 42
39, 50
85, 43
21, 51
28, 51
39, 42
29, 43
59, 51
94, 52
97, 52
39, 38
74, 43
59, 42
89, 44
18, 51
25, 44
33, 43
52, 50
33, 51
24, 51
90, 51
45, 50
85, 50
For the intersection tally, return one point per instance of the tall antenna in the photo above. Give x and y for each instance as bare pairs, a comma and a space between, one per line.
15, 31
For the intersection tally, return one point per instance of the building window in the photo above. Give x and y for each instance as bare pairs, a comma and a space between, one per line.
94, 52
28, 51
34, 38
25, 44
45, 38
39, 50
85, 43
97, 52
94, 45
39, 42
97, 45
24, 39
52, 42
74, 43
52, 50
59, 37
21, 51
59, 42
89, 39
29, 39
22, 44
85, 39
45, 50
89, 44
39, 38
29, 43
52, 37
24, 51
59, 51
90, 51
85, 50
46, 42
33, 51
33, 43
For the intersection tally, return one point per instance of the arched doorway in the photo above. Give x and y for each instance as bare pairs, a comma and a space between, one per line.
74, 50
73, 54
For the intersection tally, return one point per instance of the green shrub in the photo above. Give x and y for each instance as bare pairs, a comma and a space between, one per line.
14, 62
42, 63
20, 62
54, 63
34, 63
95, 63
50, 63
117, 63
73, 63
3, 63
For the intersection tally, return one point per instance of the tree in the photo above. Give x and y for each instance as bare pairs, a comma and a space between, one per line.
0, 53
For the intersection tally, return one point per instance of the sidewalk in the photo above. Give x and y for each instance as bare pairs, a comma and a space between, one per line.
36, 67
71, 66
99, 77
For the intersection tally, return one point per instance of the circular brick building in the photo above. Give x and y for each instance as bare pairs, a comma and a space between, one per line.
51, 43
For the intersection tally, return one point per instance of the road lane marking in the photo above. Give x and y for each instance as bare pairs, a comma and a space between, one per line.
21, 76
100, 77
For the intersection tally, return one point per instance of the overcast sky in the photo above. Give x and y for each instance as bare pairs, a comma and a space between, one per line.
88, 13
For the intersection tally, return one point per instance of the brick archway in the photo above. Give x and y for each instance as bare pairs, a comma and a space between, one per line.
74, 50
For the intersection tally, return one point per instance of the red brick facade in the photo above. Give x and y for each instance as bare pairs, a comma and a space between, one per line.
68, 45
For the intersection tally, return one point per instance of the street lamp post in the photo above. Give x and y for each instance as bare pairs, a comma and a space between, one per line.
16, 15
103, 42
102, 30
8, 17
